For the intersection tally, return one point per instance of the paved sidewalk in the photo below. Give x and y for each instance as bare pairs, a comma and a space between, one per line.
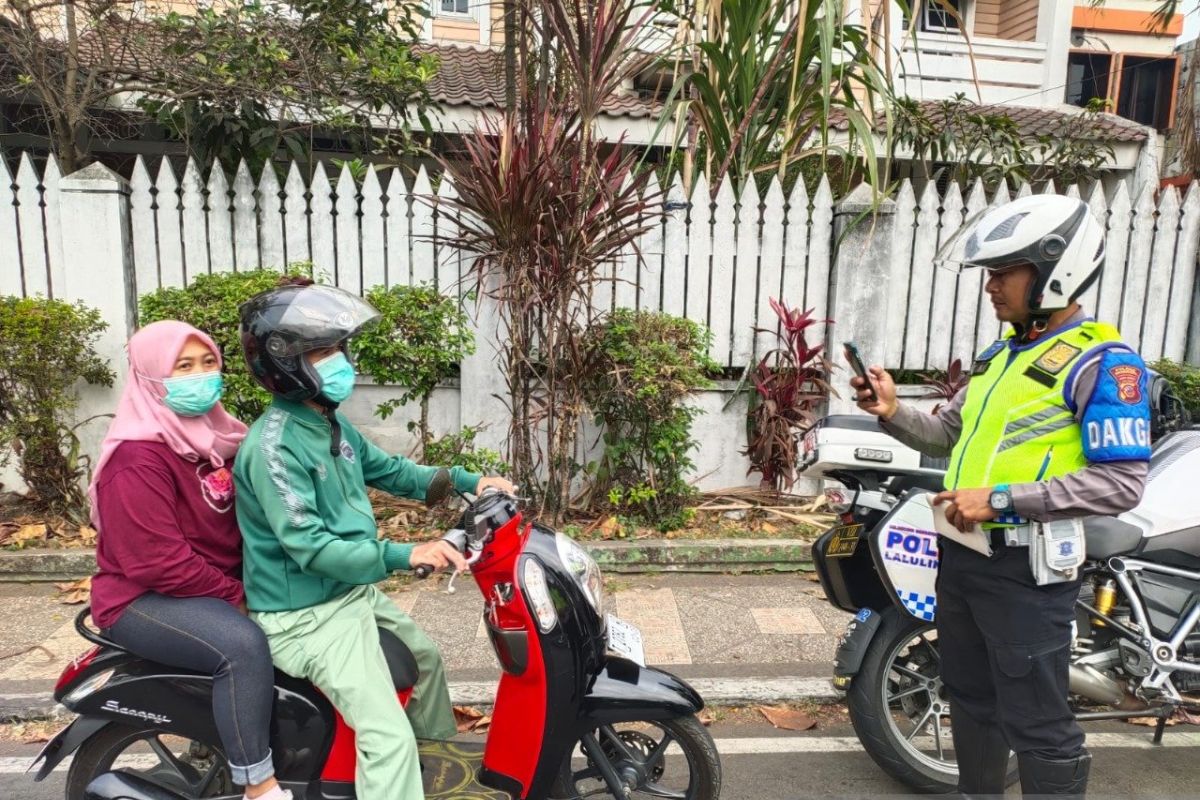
756, 638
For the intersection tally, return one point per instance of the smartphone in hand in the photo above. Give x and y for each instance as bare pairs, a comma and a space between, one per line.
857, 365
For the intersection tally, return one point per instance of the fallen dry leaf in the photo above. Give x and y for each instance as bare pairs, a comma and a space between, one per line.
1187, 717
1151, 722
87, 534
73, 594
7, 529
610, 527
469, 719
788, 719
27, 534
705, 718
767, 527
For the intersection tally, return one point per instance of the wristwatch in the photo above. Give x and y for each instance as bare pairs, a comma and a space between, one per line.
1001, 499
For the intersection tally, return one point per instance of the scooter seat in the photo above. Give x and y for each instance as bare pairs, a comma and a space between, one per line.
402, 664
1108, 536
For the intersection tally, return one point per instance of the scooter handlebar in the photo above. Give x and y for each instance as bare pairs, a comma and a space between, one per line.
457, 538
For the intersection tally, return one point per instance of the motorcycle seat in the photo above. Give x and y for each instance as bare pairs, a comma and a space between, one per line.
1108, 536
402, 664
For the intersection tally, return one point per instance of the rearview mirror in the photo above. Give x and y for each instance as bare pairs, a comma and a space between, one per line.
439, 488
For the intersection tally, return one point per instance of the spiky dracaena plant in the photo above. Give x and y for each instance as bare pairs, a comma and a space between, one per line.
945, 387
790, 381
543, 208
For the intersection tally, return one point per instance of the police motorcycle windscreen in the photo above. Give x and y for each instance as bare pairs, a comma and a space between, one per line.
904, 548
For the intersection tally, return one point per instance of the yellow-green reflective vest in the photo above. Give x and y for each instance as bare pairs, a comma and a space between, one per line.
1017, 425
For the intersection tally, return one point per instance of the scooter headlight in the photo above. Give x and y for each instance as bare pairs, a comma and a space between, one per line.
583, 568
538, 593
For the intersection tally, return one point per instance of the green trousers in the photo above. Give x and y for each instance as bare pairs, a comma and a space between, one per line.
336, 646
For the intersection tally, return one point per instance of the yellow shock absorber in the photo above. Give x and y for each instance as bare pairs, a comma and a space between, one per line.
1106, 598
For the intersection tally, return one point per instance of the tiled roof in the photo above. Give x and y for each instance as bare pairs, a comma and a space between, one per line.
1033, 121
474, 76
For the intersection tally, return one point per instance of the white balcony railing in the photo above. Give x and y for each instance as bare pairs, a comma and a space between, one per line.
936, 66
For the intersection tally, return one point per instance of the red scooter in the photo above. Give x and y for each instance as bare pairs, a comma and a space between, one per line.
577, 713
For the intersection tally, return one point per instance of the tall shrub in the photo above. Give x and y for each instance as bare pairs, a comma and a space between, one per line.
46, 348
418, 343
544, 207
643, 367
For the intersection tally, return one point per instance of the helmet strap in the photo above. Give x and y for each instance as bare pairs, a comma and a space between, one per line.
328, 410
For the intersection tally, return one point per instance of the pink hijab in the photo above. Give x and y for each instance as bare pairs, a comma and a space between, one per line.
143, 417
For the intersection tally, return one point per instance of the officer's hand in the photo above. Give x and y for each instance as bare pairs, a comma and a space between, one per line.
438, 554
885, 391
966, 507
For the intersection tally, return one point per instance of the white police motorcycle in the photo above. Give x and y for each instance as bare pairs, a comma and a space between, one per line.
1136, 651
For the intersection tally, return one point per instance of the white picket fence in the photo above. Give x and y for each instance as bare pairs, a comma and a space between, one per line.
106, 240
717, 263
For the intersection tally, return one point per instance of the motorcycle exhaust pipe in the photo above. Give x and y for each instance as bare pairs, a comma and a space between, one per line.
1089, 682
123, 786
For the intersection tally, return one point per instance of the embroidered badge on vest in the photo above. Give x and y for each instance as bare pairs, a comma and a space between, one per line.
1057, 357
1052, 362
983, 359
1128, 380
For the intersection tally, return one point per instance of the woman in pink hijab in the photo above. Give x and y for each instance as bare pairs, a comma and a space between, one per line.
169, 552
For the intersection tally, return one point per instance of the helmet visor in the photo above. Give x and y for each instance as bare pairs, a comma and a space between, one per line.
953, 253
311, 317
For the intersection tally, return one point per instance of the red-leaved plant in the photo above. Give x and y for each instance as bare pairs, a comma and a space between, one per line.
545, 209
945, 387
790, 382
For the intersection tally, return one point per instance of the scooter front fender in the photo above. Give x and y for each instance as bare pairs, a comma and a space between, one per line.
625, 692
65, 742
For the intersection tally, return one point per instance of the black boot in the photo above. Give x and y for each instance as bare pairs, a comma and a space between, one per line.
1054, 776
982, 754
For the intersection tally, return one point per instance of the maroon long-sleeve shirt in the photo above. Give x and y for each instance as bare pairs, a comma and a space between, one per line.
167, 525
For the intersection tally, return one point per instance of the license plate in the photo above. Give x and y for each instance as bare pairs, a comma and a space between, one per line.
844, 541
625, 640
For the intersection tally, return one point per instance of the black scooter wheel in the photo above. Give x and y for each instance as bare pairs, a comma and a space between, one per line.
188, 769
899, 708
644, 754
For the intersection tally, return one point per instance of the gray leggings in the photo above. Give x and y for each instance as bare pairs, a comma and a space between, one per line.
209, 635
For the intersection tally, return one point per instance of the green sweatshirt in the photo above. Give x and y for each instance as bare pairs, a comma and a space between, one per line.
308, 530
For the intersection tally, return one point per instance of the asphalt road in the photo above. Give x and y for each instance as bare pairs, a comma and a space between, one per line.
761, 763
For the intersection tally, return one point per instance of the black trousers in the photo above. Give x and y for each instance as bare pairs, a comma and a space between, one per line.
1006, 648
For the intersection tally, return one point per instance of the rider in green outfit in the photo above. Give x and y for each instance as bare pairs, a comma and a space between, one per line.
311, 549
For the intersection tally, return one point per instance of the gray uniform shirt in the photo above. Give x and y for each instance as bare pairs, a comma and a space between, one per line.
1100, 488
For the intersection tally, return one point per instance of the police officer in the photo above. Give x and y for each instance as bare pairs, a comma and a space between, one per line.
1053, 425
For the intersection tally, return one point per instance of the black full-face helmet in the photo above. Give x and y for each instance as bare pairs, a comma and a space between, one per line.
280, 325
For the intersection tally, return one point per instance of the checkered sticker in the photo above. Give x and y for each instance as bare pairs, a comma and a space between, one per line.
921, 606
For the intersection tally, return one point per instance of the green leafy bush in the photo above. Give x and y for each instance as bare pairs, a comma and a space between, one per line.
1186, 381
642, 368
46, 346
210, 303
459, 450
419, 342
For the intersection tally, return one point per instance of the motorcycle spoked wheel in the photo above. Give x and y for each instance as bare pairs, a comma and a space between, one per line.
899, 708
196, 770
666, 758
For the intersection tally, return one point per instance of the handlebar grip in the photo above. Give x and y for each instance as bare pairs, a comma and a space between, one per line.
423, 571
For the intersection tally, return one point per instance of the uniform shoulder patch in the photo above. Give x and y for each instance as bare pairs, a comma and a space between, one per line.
1116, 421
1129, 382
982, 360
1057, 357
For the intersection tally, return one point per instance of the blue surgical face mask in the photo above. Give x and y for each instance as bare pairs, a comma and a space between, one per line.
337, 376
193, 395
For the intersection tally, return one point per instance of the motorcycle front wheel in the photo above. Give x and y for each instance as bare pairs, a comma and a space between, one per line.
189, 768
899, 708
666, 758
